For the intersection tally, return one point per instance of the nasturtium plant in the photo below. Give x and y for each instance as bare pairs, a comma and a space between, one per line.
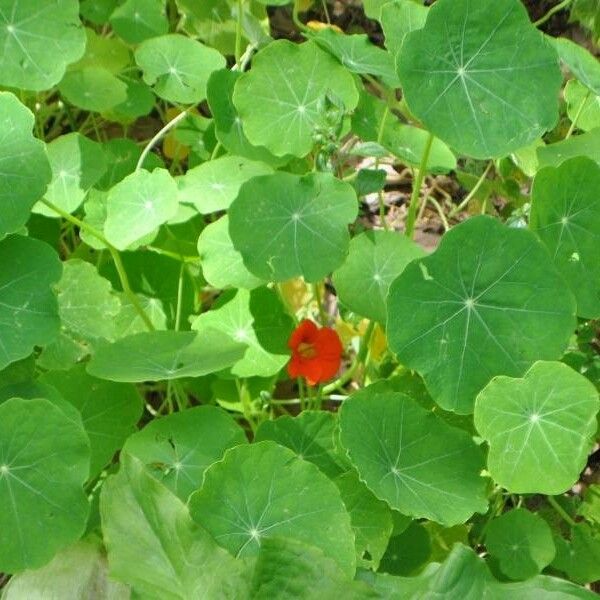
543, 422
299, 299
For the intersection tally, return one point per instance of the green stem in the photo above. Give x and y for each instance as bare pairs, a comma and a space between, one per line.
347, 376
114, 254
156, 138
173, 255
380, 198
319, 301
411, 217
297, 22
215, 151
552, 12
577, 115
561, 511
326, 11
238, 31
179, 297
472, 193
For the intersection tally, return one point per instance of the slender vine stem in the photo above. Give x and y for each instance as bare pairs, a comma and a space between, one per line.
577, 115
561, 511
472, 193
297, 22
156, 138
380, 198
238, 31
114, 254
552, 12
411, 217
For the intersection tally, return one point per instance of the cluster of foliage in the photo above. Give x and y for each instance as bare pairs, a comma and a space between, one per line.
155, 439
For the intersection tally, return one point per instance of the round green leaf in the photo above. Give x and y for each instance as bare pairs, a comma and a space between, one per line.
77, 164
400, 18
311, 435
375, 259
97, 11
139, 103
290, 82
238, 321
28, 308
139, 204
480, 76
580, 61
407, 552
178, 448
158, 355
214, 185
228, 125
263, 490
93, 88
178, 67
486, 286
109, 411
539, 428
285, 225
24, 167
44, 462
138, 20
522, 543
222, 264
107, 52
412, 459
565, 214
39, 38
155, 547
371, 519
579, 557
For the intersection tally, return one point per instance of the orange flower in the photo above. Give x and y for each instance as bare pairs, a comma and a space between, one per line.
316, 353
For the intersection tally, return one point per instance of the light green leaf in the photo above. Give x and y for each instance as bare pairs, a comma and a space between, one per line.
412, 459
129, 321
158, 355
522, 543
398, 18
228, 125
109, 411
358, 54
288, 569
579, 557
79, 571
486, 286
178, 67
155, 547
285, 225
28, 308
270, 492
77, 164
222, 264
139, 204
138, 20
109, 53
241, 319
214, 185
45, 462
480, 76
290, 82
403, 141
580, 62
541, 423
178, 448
93, 88
371, 519
583, 106
465, 575
565, 214
311, 435
24, 167
39, 38
586, 144
375, 259
97, 11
